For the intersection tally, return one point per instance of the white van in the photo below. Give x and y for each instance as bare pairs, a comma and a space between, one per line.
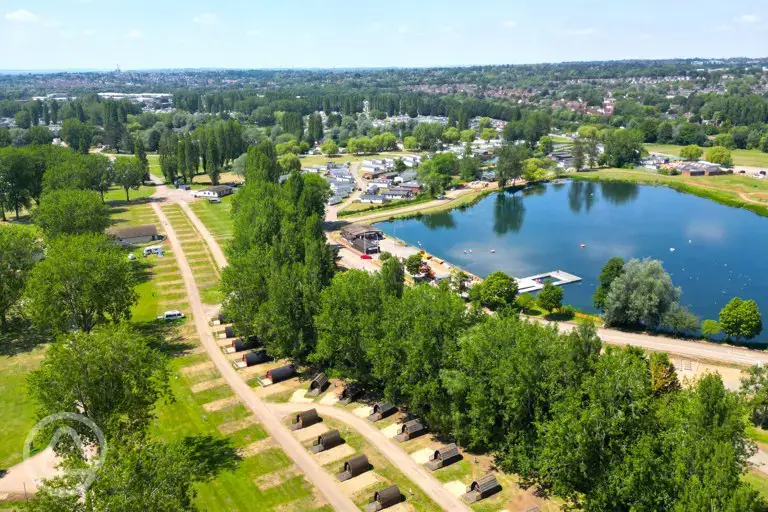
152, 249
169, 316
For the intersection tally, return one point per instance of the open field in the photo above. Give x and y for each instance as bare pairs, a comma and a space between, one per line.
746, 157
16, 406
197, 252
732, 190
216, 217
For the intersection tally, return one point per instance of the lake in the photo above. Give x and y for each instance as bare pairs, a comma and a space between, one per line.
719, 252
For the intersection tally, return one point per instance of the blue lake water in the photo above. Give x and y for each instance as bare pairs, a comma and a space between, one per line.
719, 252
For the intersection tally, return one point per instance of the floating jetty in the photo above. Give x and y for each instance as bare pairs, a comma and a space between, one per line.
536, 283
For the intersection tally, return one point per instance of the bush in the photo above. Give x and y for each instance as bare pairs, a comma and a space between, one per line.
568, 312
525, 301
385, 256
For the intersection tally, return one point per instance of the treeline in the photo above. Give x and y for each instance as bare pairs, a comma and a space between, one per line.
215, 144
608, 430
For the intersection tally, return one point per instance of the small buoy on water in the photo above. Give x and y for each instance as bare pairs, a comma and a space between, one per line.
671, 249
470, 251
690, 241
582, 245
493, 251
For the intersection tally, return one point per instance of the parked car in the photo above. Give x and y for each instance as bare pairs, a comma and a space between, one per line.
170, 316
214, 200
152, 249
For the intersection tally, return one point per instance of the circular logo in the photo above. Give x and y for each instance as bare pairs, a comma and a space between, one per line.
81, 478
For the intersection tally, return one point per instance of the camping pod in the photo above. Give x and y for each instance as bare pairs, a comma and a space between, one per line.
482, 488
246, 343
256, 357
355, 466
318, 384
349, 392
443, 457
410, 430
305, 419
326, 441
229, 332
385, 498
282, 373
381, 410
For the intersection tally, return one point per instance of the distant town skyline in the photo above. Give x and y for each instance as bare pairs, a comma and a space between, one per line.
90, 35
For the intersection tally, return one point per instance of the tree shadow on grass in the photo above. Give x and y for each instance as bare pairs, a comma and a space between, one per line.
165, 337
212, 455
20, 337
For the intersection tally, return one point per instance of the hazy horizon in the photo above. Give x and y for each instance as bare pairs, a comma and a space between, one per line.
72, 35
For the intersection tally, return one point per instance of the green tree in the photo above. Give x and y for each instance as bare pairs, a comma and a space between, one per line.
679, 320
112, 376
546, 144
663, 374
691, 153
140, 152
329, 147
20, 249
413, 264
720, 156
129, 174
641, 295
392, 278
23, 119
510, 165
77, 134
348, 323
741, 319
467, 136
84, 280
550, 297
754, 388
498, 291
710, 328
488, 134
71, 212
289, 163
612, 269
623, 147
410, 143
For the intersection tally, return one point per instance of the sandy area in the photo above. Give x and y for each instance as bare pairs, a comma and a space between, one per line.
363, 411
391, 430
455, 487
299, 397
234, 426
256, 448
218, 405
422, 456
357, 484
330, 398
208, 384
310, 432
334, 454
197, 368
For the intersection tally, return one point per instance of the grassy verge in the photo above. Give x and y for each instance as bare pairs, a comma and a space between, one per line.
679, 183
216, 217
362, 208
745, 157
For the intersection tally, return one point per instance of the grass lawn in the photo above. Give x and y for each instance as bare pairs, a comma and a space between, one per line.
759, 481
216, 217
16, 407
726, 189
746, 157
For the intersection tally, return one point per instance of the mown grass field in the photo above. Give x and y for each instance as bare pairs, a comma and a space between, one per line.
216, 217
732, 190
746, 157
198, 255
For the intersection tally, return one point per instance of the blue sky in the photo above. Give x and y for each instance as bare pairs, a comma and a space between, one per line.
144, 34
